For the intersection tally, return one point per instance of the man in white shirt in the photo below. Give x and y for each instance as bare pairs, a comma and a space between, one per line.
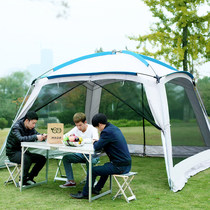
88, 133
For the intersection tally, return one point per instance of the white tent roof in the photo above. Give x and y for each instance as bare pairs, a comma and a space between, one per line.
123, 62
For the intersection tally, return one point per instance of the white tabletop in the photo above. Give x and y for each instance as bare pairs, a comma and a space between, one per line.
86, 148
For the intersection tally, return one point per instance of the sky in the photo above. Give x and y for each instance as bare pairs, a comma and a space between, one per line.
30, 26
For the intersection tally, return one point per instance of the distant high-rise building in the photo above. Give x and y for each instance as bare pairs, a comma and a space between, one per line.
46, 59
46, 63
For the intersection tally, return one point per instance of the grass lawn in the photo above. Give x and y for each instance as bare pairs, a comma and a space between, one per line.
150, 187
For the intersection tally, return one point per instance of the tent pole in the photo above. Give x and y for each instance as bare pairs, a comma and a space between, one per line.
18, 112
144, 137
144, 152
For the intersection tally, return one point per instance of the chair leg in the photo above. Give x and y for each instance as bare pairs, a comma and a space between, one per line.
62, 177
129, 188
121, 188
13, 174
58, 169
125, 185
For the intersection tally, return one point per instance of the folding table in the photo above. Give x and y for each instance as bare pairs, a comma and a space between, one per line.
86, 149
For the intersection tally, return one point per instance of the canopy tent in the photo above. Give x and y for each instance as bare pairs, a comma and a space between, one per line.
122, 81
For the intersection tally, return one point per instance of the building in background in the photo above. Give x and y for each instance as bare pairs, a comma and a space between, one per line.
46, 63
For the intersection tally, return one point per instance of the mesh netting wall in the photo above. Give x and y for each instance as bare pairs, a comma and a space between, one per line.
59, 102
127, 101
185, 132
124, 103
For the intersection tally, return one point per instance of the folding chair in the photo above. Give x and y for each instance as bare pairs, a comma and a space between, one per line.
127, 179
14, 170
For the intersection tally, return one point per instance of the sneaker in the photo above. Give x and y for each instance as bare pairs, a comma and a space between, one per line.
68, 184
25, 183
30, 182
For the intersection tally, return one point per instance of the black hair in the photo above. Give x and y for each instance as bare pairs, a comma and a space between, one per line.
31, 115
99, 118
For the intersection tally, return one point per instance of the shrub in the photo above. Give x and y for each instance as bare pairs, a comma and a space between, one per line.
3, 123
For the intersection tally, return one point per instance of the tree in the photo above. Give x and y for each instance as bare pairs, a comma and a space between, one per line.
62, 7
180, 36
12, 91
99, 50
204, 90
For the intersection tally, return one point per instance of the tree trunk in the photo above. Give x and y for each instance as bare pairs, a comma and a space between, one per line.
184, 46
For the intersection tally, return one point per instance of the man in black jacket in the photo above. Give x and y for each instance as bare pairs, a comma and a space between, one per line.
114, 144
24, 131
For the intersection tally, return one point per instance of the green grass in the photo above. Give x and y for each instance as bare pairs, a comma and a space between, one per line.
134, 135
187, 134
150, 187
3, 134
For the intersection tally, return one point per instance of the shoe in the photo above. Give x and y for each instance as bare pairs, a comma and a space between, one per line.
25, 183
96, 192
30, 182
79, 195
68, 184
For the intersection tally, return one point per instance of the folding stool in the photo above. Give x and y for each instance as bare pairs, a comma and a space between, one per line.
83, 165
59, 175
63, 177
127, 178
14, 170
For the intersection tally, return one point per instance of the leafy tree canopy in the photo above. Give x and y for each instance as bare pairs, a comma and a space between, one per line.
180, 35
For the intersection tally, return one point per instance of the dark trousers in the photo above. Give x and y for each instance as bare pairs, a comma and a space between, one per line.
29, 158
104, 172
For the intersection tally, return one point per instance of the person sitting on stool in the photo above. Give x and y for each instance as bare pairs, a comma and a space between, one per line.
24, 131
88, 133
114, 144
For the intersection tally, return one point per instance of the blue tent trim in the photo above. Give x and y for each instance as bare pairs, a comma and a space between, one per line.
158, 62
138, 56
90, 74
142, 58
80, 59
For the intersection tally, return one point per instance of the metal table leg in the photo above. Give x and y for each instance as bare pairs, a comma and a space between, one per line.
22, 168
90, 177
47, 165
